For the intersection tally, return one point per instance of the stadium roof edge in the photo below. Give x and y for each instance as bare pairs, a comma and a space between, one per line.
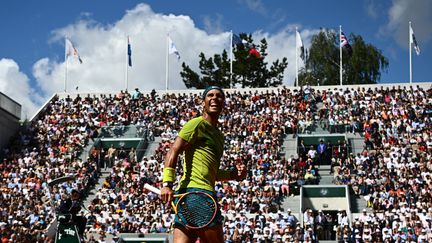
36, 115
10, 105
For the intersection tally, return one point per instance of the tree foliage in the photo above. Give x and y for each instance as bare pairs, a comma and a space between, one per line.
363, 65
249, 68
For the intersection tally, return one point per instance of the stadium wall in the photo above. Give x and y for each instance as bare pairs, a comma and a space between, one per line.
10, 115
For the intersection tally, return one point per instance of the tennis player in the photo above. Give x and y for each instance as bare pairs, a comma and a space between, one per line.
202, 143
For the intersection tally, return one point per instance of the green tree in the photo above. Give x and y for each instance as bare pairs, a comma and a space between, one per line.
249, 68
362, 65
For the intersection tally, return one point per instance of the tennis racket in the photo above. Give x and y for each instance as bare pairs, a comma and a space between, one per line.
195, 209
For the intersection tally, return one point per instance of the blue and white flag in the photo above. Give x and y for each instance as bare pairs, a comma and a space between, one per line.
172, 48
413, 41
70, 50
238, 41
299, 44
129, 52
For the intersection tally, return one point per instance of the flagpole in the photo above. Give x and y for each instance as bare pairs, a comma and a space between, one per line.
296, 61
65, 80
410, 50
231, 58
127, 65
340, 55
167, 63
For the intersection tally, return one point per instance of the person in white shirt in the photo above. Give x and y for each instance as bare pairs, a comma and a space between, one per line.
343, 218
320, 219
308, 217
312, 153
364, 217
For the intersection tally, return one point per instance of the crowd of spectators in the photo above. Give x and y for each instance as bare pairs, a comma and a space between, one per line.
254, 125
392, 172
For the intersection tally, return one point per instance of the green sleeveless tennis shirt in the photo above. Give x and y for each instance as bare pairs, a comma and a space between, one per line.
202, 157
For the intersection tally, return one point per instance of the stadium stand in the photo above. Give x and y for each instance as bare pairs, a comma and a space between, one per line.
391, 172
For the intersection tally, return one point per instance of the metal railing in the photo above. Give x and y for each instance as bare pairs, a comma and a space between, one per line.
324, 126
332, 151
123, 131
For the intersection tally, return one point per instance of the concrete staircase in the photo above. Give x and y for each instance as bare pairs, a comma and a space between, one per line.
293, 203
152, 146
289, 146
358, 204
104, 173
357, 142
326, 177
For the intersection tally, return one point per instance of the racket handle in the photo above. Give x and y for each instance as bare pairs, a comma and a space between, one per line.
152, 188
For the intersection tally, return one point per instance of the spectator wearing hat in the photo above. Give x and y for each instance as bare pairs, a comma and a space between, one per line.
355, 233
309, 177
298, 234
367, 234
357, 238
364, 217
308, 217
399, 236
377, 235
268, 235
290, 218
386, 233
320, 223
287, 236
345, 238
424, 237
309, 234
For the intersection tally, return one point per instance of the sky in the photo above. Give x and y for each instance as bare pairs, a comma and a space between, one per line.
32, 39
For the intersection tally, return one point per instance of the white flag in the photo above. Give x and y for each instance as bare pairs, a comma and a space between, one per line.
299, 44
70, 50
172, 48
414, 41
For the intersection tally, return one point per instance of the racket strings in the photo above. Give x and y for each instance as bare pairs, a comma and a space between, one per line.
196, 209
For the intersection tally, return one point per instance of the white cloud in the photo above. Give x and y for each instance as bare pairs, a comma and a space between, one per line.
419, 12
255, 5
213, 25
15, 84
282, 44
372, 8
103, 49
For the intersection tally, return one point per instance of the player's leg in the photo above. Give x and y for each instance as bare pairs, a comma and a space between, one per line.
183, 235
211, 234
